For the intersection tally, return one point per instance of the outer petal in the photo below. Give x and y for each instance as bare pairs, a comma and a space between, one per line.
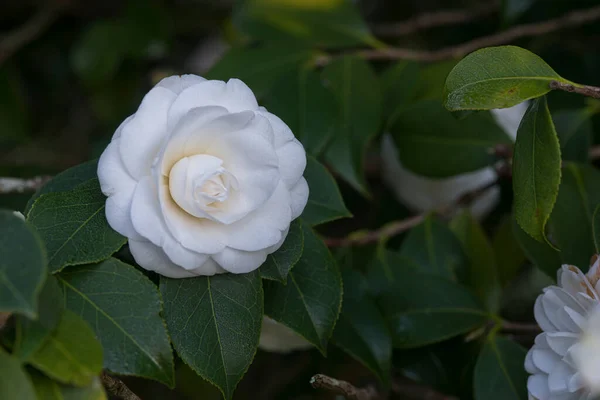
299, 195
234, 95
559, 377
541, 317
292, 162
561, 342
153, 258
142, 137
537, 385
283, 133
238, 261
177, 83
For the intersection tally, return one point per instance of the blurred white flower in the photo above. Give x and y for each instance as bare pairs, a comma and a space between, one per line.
279, 338
423, 194
19, 214
565, 359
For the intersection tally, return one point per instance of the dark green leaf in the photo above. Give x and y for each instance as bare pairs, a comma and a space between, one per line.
310, 302
596, 228
123, 307
47, 389
497, 77
574, 131
541, 254
325, 202
429, 138
32, 333
356, 87
256, 65
361, 330
22, 266
399, 84
14, 382
421, 309
482, 275
71, 354
306, 106
74, 227
572, 219
434, 248
509, 256
536, 170
214, 322
67, 180
331, 23
383, 270
499, 372
14, 118
280, 263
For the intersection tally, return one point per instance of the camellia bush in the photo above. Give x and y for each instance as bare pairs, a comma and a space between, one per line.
319, 213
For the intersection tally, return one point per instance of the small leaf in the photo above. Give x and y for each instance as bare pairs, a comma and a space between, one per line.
22, 266
71, 354
536, 169
596, 228
433, 247
361, 330
255, 66
330, 23
429, 138
310, 302
509, 256
301, 100
123, 307
66, 180
356, 87
280, 263
497, 77
544, 256
572, 220
74, 227
14, 382
421, 309
499, 372
32, 333
482, 276
325, 202
47, 389
215, 323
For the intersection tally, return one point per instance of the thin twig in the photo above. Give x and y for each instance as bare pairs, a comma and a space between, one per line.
26, 33
520, 327
590, 91
569, 20
117, 388
411, 390
344, 388
18, 185
436, 19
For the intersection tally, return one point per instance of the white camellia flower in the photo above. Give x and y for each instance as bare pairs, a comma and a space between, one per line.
565, 359
421, 193
279, 338
202, 180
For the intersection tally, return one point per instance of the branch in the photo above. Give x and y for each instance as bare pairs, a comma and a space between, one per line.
117, 388
572, 19
17, 185
520, 327
590, 91
410, 389
13, 41
436, 19
343, 388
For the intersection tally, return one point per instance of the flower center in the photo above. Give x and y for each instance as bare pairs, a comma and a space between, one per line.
200, 184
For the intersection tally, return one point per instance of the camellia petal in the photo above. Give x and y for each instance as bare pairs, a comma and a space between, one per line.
299, 195
239, 261
292, 162
178, 83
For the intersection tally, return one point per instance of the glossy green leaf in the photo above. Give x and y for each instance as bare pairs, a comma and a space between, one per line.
499, 372
383, 270
73, 226
418, 314
310, 302
256, 67
123, 307
399, 85
325, 202
71, 354
541, 254
32, 333
497, 77
361, 330
66, 180
22, 265
14, 382
509, 255
429, 138
596, 228
536, 169
301, 100
331, 23
572, 219
574, 129
482, 274
435, 249
215, 323
280, 263
356, 88
48, 389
